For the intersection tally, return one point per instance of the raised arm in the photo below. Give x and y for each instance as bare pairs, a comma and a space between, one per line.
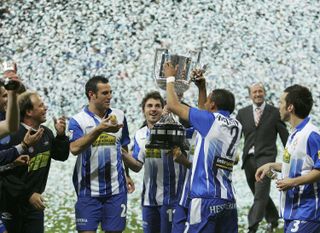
200, 82
173, 102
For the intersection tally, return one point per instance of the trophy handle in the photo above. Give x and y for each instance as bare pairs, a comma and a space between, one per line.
158, 51
195, 56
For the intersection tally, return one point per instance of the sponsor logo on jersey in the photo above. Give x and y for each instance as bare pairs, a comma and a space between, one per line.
224, 163
153, 153
105, 140
318, 154
39, 161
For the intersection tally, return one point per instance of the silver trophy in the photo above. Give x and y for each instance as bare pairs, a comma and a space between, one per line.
168, 132
184, 65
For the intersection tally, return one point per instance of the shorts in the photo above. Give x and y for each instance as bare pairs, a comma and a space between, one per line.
212, 215
180, 218
157, 219
300, 226
111, 212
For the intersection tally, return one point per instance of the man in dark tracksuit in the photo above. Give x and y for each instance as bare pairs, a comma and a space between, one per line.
23, 186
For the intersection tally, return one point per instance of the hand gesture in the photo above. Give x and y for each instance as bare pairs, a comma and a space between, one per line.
130, 184
285, 184
11, 81
197, 76
169, 69
262, 172
60, 125
37, 201
165, 110
22, 160
176, 153
106, 125
32, 137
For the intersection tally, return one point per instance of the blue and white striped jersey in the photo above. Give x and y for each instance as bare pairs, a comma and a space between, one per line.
184, 198
99, 171
214, 154
301, 155
163, 178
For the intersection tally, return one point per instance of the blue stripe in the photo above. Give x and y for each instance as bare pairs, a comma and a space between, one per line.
295, 170
136, 149
125, 139
85, 183
214, 151
120, 169
107, 172
198, 181
101, 171
171, 198
153, 171
75, 179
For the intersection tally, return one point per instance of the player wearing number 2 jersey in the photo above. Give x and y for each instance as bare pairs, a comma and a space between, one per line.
213, 206
98, 177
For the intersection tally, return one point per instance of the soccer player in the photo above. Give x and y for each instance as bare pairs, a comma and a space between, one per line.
213, 206
300, 167
162, 179
98, 134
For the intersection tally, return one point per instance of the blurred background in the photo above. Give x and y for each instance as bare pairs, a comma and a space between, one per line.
59, 44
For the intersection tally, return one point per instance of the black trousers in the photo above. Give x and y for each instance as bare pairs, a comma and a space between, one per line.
20, 217
263, 206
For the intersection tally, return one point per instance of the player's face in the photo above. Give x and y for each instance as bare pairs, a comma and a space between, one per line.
284, 113
39, 111
102, 98
152, 111
257, 94
3, 99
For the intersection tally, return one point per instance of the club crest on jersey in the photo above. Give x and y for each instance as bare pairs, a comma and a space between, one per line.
286, 156
105, 140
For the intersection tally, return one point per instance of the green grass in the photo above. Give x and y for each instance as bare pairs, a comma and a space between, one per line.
66, 224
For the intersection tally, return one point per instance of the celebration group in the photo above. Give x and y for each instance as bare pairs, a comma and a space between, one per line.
184, 188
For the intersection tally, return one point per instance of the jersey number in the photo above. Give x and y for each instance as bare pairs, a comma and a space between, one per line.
124, 211
234, 131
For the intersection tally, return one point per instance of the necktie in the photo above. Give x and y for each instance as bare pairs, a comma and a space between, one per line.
258, 115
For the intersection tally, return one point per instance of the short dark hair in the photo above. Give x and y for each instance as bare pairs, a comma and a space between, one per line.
92, 84
152, 95
223, 99
25, 103
301, 99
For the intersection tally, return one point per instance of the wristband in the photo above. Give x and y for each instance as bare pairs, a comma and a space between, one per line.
25, 144
171, 79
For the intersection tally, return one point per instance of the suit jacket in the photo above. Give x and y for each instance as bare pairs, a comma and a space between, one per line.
264, 136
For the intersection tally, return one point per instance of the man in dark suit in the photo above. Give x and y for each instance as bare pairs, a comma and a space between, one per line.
260, 125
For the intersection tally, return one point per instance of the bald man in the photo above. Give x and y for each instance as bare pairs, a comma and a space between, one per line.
261, 124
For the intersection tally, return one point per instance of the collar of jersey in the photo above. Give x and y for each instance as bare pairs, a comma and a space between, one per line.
302, 124
86, 109
299, 128
224, 112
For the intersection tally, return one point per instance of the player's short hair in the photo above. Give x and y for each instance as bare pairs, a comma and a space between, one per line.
92, 84
223, 99
152, 95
